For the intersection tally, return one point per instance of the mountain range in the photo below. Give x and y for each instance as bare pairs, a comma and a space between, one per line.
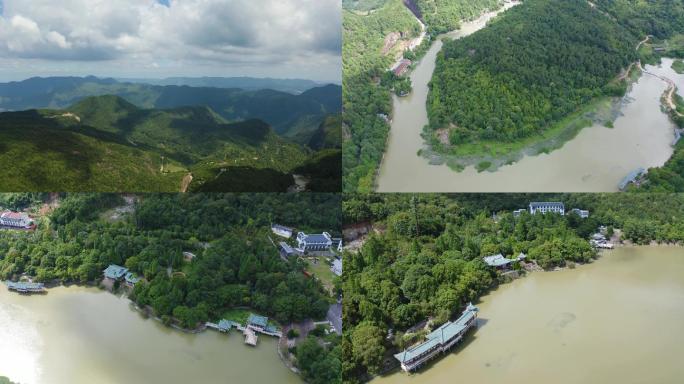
282, 110
141, 137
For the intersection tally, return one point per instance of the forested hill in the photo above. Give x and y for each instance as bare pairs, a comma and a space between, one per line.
426, 262
105, 143
539, 62
279, 109
365, 59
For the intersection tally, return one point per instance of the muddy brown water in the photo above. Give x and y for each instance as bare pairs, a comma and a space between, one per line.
617, 320
83, 335
596, 160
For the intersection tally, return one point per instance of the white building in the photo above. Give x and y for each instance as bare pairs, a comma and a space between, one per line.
547, 207
518, 212
315, 242
281, 230
580, 212
15, 219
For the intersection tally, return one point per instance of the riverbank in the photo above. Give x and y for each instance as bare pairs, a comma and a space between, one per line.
625, 134
491, 155
606, 309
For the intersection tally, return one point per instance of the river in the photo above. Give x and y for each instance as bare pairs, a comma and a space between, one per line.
595, 160
617, 320
83, 335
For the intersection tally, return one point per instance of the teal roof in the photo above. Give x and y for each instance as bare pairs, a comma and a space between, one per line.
225, 324
115, 271
132, 278
261, 321
21, 285
496, 260
439, 336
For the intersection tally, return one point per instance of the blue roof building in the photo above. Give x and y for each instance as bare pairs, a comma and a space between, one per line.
257, 321
440, 340
131, 279
315, 242
497, 261
286, 250
115, 272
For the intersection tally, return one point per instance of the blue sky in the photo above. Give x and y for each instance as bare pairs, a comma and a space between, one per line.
163, 38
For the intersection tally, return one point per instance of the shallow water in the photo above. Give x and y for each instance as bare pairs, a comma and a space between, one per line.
596, 160
84, 335
617, 320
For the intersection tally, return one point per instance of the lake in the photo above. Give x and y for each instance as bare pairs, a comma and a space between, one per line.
595, 160
84, 335
617, 320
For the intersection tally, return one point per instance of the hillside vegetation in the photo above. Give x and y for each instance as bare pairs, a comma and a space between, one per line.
427, 260
516, 78
107, 144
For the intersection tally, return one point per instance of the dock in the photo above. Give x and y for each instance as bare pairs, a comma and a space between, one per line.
255, 324
250, 336
25, 287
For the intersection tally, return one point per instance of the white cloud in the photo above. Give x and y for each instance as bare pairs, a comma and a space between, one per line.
230, 33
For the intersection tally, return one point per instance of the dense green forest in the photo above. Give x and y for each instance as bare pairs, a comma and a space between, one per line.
320, 364
364, 98
539, 62
367, 86
236, 264
105, 143
424, 258
446, 15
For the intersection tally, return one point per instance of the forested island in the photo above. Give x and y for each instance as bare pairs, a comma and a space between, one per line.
234, 264
422, 256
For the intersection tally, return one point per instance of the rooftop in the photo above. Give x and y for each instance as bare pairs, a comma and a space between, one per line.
286, 247
132, 278
547, 204
260, 321
315, 238
439, 336
496, 260
114, 271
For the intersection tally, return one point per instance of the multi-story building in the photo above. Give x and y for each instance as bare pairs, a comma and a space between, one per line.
547, 207
15, 219
438, 341
315, 242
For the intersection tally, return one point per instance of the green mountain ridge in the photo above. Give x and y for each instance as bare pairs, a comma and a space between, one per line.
279, 109
105, 143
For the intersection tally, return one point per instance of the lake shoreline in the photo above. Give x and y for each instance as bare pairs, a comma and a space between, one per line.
148, 313
505, 281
